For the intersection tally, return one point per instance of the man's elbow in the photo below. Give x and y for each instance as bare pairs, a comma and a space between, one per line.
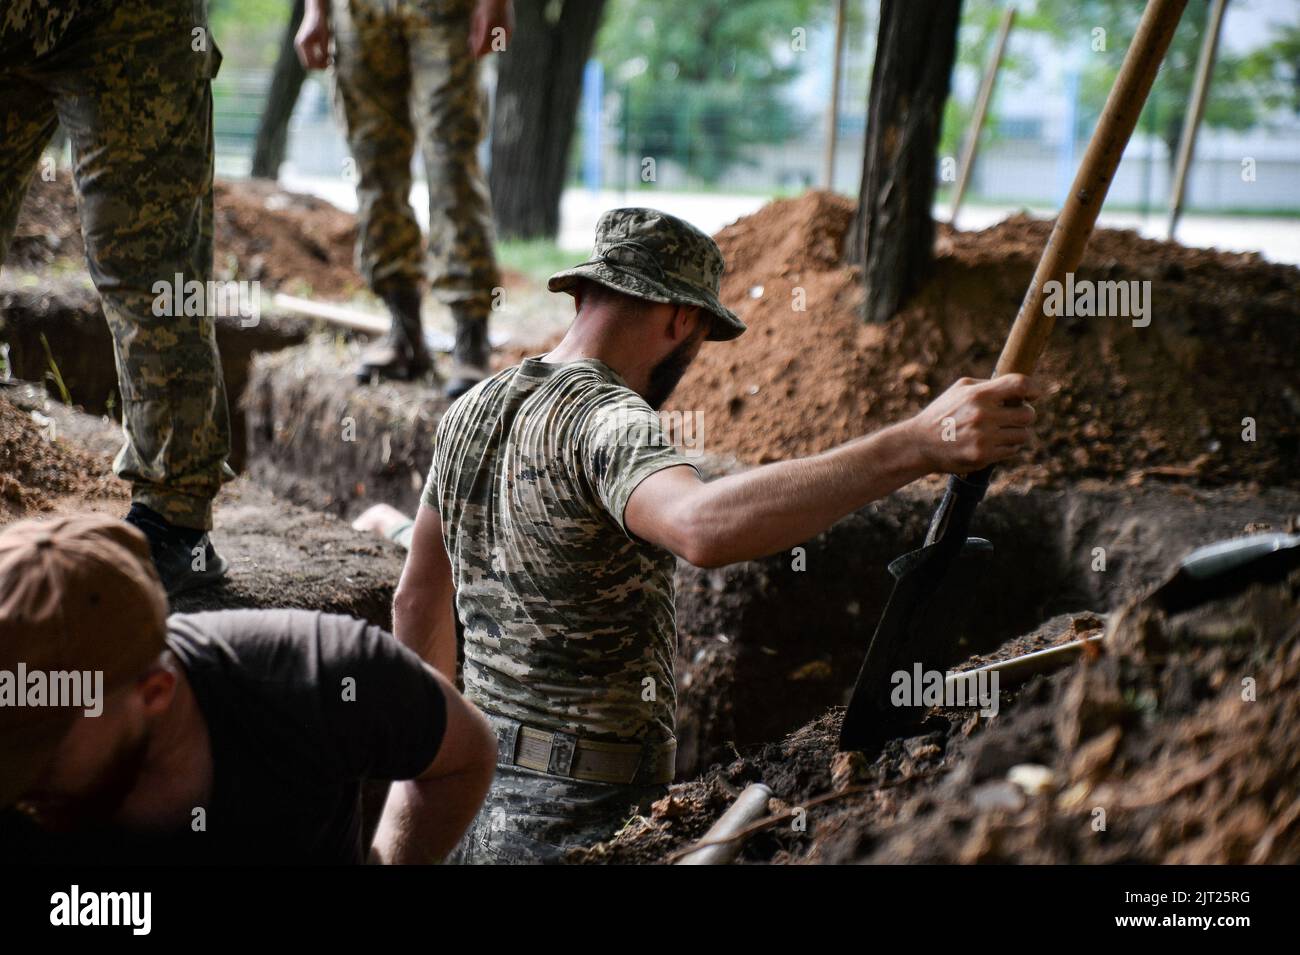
703, 554
480, 753
698, 540
408, 602
414, 601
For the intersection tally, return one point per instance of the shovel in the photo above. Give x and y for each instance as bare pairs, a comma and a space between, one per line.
919, 575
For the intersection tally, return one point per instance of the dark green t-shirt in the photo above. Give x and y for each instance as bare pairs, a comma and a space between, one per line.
569, 621
301, 708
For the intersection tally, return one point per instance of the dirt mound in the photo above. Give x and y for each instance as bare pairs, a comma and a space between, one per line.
291, 242
1165, 400
37, 469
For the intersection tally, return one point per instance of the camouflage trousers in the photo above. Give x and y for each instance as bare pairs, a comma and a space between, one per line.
532, 818
403, 70
131, 85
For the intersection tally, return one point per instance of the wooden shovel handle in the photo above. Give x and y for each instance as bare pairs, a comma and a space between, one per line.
1074, 225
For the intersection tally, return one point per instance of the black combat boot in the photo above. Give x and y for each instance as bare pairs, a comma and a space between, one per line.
402, 356
471, 350
184, 556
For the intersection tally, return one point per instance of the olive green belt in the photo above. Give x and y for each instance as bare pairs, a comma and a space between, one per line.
573, 757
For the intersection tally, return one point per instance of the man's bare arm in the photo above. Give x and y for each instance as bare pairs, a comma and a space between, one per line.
424, 818
423, 607
774, 507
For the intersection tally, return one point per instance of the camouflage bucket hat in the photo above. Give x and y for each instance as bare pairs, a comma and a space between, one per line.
660, 258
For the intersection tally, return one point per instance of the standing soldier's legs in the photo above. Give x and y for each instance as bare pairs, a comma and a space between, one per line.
131, 85
449, 112
373, 74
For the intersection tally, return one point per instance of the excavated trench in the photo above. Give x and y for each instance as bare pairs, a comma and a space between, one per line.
59, 324
765, 646
768, 645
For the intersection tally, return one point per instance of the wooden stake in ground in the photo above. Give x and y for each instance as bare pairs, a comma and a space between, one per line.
981, 110
833, 110
1195, 110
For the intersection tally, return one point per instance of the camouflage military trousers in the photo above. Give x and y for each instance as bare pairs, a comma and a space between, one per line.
130, 82
532, 818
403, 69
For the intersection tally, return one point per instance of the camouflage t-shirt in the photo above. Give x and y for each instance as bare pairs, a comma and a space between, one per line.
568, 617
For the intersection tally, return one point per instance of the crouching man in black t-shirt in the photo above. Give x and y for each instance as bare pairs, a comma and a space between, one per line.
129, 736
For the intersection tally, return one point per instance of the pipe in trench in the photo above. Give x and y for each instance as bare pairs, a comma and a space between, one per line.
749, 806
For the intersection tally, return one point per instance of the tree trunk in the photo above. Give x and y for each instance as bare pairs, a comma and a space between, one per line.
286, 82
892, 236
539, 84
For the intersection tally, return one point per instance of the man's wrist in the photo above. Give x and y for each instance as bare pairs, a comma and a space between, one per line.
909, 447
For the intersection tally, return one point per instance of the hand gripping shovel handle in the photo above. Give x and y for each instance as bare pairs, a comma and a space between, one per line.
1025, 343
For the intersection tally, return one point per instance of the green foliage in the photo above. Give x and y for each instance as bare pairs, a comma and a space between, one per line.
538, 259
1273, 72
55, 375
1244, 90
1231, 103
702, 80
248, 31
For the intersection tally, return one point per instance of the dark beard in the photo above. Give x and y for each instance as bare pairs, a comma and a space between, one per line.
665, 375
96, 808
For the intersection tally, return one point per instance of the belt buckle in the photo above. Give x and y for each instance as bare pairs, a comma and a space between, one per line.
542, 752
563, 748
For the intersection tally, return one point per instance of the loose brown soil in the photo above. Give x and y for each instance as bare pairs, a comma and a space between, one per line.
1177, 743
288, 241
1163, 401
39, 468
281, 555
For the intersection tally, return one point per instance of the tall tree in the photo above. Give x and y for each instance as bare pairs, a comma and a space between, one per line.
281, 97
892, 237
539, 84
704, 81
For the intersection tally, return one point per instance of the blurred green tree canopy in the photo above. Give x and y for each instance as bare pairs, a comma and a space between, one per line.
702, 80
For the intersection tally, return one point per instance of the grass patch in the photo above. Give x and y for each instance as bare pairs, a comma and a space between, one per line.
538, 259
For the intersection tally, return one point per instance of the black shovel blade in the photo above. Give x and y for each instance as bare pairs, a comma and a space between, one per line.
870, 719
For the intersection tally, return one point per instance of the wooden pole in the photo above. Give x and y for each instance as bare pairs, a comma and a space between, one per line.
1017, 670
981, 110
1073, 228
833, 111
1195, 111
339, 316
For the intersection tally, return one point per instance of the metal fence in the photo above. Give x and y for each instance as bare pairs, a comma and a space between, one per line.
618, 147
